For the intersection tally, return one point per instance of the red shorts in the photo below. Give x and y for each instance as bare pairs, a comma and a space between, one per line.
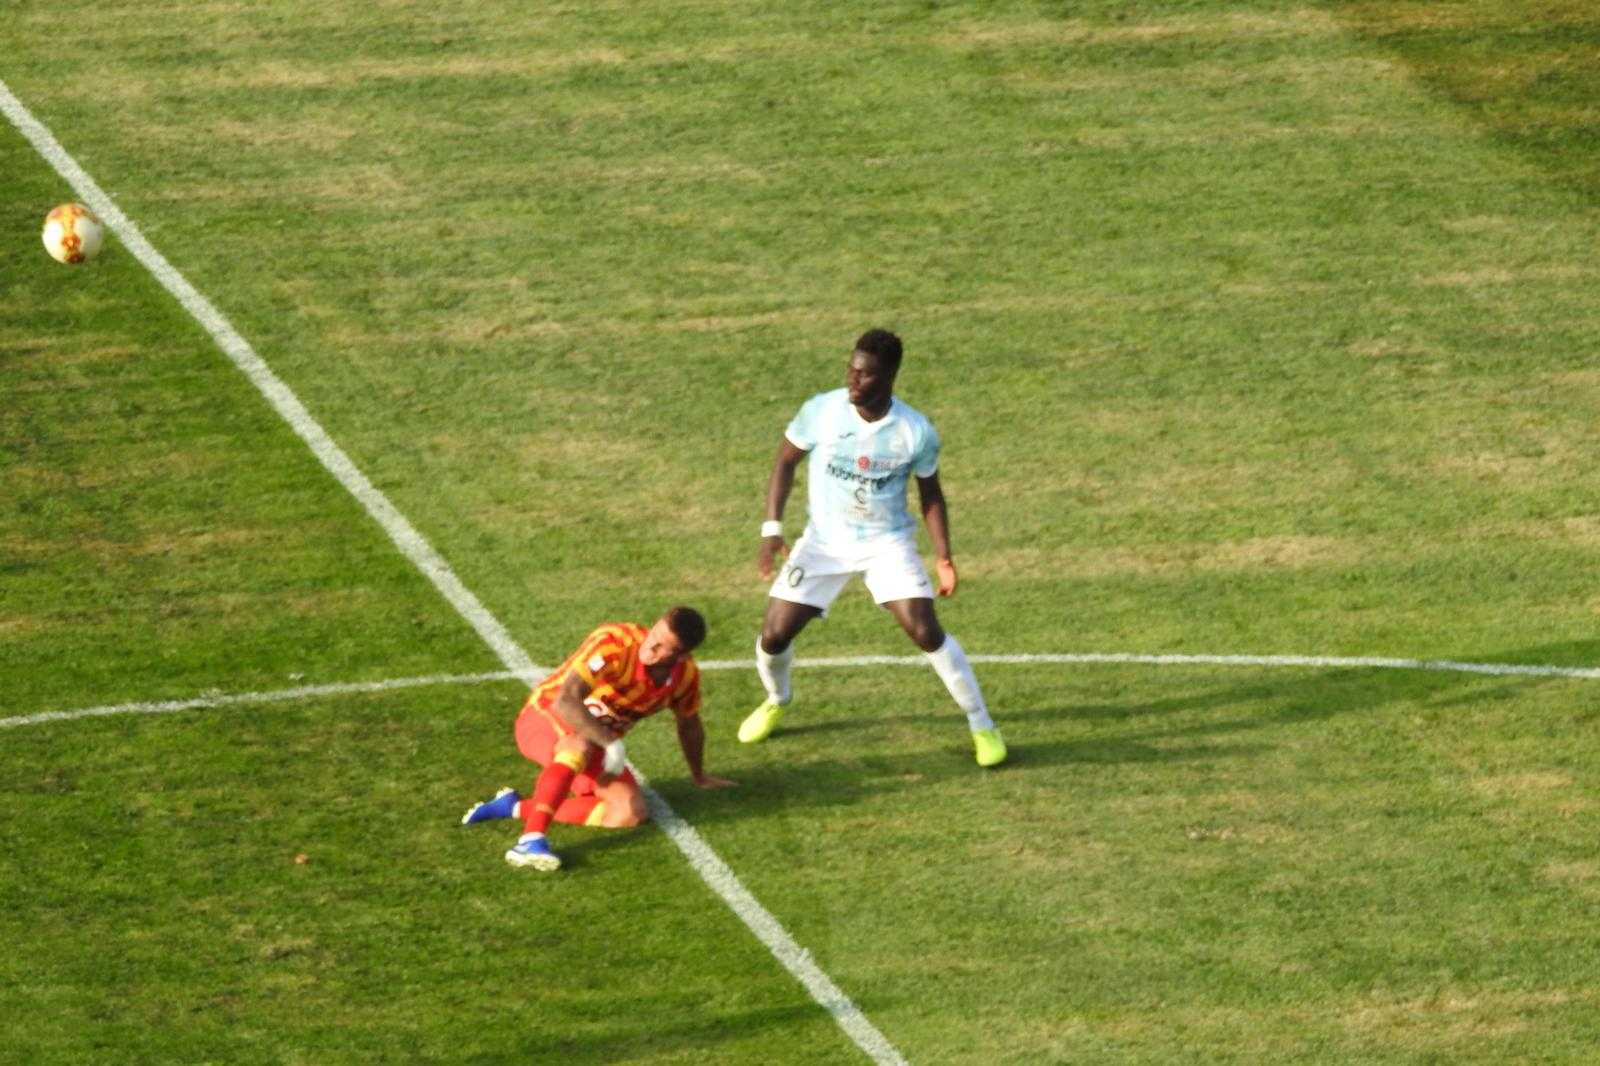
537, 733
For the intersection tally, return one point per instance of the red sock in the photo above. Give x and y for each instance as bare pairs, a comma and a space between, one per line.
549, 790
575, 810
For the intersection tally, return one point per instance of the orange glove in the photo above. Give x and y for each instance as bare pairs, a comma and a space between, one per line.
947, 576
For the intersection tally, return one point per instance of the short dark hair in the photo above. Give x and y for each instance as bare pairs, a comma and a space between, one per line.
883, 344
688, 625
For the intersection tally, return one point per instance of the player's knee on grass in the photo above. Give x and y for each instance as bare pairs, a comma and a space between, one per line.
625, 806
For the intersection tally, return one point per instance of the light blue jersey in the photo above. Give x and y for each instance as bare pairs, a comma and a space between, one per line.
859, 470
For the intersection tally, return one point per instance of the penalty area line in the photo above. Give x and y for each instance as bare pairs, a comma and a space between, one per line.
1332, 661
306, 692
416, 548
283, 695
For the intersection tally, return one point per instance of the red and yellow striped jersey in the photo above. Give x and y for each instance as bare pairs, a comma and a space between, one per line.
608, 659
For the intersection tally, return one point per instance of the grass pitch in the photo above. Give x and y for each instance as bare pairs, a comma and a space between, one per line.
1250, 327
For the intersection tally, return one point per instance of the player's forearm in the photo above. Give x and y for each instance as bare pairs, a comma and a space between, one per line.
692, 738
937, 518
778, 488
782, 480
576, 715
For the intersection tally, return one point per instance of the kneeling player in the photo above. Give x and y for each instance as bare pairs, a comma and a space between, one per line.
574, 722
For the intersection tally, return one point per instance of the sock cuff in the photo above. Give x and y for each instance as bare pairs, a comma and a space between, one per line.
570, 759
949, 652
763, 655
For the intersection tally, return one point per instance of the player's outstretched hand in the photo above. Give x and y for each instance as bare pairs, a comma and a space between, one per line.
772, 549
707, 781
947, 576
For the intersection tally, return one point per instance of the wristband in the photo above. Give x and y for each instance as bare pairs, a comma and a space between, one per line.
772, 528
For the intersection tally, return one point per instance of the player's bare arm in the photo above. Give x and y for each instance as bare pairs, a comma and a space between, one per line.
779, 485
692, 738
936, 516
569, 705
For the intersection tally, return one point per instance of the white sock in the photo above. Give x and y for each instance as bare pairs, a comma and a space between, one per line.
951, 664
774, 671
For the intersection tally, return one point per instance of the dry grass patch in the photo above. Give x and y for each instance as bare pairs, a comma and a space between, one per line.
1492, 277
1227, 27
278, 134
1539, 784
1431, 16
1254, 555
1587, 381
611, 469
1044, 856
177, 466
1581, 530
373, 189
531, 64
1533, 461
24, 625
1483, 224
1217, 77
1530, 802
84, 353
1452, 1018
1582, 875
280, 74
373, 186
337, 602
190, 544
1380, 348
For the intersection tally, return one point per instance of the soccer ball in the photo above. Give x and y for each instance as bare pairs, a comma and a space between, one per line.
72, 234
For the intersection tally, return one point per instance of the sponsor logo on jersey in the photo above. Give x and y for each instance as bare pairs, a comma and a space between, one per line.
893, 462
844, 473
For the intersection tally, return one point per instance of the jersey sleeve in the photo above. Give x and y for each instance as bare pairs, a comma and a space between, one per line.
802, 428
925, 461
599, 659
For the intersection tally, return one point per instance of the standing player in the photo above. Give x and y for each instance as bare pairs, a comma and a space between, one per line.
864, 445
574, 722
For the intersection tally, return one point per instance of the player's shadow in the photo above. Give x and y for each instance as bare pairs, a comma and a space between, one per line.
867, 770
1230, 721
1281, 697
578, 846
693, 1035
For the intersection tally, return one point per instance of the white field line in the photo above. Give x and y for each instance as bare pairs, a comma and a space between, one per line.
1381, 663
433, 566
315, 691
282, 695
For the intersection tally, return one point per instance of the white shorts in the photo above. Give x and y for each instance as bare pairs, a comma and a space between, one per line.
814, 575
